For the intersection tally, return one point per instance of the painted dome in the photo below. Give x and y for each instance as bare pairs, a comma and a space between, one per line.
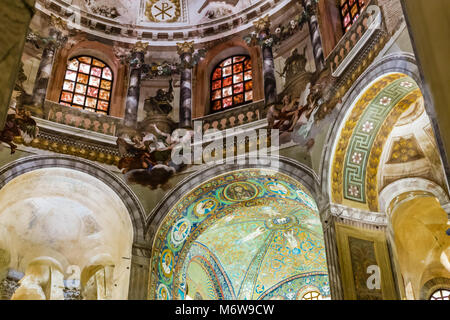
250, 234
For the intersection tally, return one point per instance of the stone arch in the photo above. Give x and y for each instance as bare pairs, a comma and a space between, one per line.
28, 164
401, 186
295, 169
296, 172
432, 285
403, 63
140, 248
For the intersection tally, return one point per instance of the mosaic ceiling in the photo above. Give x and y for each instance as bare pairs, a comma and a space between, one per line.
249, 234
358, 150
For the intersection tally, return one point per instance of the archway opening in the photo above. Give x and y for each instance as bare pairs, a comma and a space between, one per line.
384, 148
69, 236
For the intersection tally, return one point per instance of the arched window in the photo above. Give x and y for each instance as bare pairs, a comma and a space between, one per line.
440, 294
231, 83
87, 85
350, 11
312, 295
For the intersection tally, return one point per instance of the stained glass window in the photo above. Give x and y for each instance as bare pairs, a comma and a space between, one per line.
440, 294
231, 83
87, 85
350, 11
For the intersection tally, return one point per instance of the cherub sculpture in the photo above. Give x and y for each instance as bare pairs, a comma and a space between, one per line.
285, 118
146, 157
19, 124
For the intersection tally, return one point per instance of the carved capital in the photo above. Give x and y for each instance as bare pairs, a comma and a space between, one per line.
262, 24
58, 23
140, 46
185, 48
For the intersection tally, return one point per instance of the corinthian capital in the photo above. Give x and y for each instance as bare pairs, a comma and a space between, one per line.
262, 24
140, 46
186, 47
58, 23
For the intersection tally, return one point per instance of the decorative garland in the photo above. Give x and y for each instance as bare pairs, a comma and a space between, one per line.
264, 38
167, 69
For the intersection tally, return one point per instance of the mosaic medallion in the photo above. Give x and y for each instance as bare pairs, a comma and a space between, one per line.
166, 263
277, 188
163, 292
240, 191
281, 222
205, 207
180, 231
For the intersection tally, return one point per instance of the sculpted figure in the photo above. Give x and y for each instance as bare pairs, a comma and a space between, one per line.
294, 64
161, 103
19, 124
285, 118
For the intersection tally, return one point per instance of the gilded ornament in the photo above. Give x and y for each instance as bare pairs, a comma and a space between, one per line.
186, 47
163, 10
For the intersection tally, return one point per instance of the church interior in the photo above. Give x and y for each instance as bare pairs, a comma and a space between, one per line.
224, 150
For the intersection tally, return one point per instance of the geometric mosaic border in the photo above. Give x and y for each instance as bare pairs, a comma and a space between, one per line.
359, 133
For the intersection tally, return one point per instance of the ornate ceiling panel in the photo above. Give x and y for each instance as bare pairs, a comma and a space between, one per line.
164, 22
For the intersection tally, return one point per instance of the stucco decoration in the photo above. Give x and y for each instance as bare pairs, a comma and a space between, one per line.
273, 248
125, 11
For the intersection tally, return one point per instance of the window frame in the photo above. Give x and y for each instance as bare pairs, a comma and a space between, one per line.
233, 105
440, 291
86, 96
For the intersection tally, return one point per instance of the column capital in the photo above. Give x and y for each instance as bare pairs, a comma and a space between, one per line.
140, 47
58, 23
261, 36
184, 48
262, 24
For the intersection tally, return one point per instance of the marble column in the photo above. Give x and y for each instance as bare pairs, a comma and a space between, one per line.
311, 7
45, 69
186, 50
334, 272
15, 17
134, 88
270, 85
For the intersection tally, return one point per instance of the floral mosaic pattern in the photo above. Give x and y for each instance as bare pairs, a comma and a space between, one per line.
353, 155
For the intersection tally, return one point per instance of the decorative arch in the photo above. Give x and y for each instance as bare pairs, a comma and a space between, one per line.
393, 190
432, 285
401, 65
362, 137
140, 250
170, 250
202, 72
24, 165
